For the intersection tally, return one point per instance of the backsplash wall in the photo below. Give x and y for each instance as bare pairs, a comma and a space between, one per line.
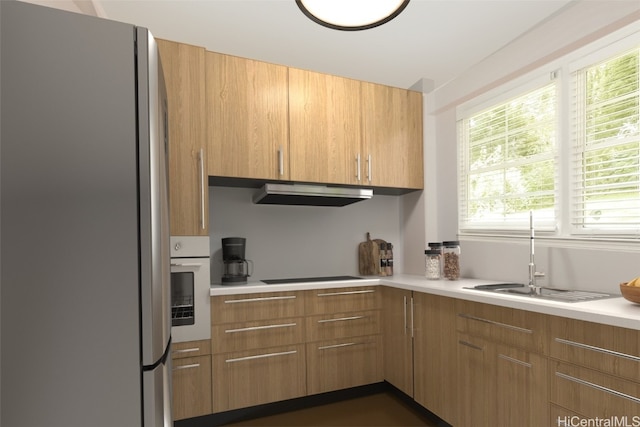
300, 241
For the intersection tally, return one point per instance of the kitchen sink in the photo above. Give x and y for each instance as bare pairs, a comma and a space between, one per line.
561, 295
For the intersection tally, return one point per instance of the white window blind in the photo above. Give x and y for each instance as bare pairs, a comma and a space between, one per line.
605, 168
507, 163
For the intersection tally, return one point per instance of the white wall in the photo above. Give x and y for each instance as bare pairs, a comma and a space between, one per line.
565, 265
303, 241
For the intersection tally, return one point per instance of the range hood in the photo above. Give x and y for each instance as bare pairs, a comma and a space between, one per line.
310, 195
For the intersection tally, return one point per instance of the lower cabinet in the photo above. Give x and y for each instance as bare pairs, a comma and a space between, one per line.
248, 378
343, 363
191, 379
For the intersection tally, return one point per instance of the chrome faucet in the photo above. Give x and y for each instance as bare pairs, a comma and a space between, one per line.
533, 274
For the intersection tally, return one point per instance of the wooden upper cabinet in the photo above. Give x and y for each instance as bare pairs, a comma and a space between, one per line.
247, 118
184, 72
392, 132
324, 119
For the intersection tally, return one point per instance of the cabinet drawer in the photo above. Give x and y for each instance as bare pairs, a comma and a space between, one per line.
190, 349
338, 364
340, 300
605, 348
257, 334
342, 325
248, 378
593, 393
267, 305
502, 325
561, 417
191, 381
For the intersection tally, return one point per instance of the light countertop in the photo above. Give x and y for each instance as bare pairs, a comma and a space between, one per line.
611, 311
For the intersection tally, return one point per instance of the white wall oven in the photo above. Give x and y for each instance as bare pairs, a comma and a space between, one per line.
190, 283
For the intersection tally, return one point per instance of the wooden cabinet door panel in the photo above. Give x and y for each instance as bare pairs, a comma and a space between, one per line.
249, 378
475, 383
247, 118
392, 136
593, 393
342, 325
257, 334
184, 71
397, 339
191, 381
324, 127
338, 364
265, 305
342, 300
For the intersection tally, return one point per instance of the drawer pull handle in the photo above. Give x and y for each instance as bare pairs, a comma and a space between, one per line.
186, 264
261, 356
258, 328
185, 350
329, 294
493, 322
468, 344
511, 359
598, 387
598, 349
339, 319
194, 365
234, 301
347, 344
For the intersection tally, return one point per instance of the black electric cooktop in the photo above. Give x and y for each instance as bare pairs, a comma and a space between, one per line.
309, 279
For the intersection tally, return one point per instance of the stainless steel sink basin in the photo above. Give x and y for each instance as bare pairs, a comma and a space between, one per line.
561, 295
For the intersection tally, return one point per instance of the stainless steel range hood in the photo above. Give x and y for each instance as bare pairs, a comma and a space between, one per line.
310, 195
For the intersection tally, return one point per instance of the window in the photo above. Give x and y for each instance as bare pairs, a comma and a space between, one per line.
508, 166
565, 147
606, 146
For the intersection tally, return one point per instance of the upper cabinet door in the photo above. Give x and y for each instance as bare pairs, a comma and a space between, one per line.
324, 119
184, 73
247, 118
392, 128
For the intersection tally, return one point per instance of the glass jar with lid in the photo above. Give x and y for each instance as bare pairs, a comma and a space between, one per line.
433, 263
451, 260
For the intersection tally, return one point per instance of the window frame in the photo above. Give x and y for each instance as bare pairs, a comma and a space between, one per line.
562, 231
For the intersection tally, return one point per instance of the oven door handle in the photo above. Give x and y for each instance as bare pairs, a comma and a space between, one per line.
186, 264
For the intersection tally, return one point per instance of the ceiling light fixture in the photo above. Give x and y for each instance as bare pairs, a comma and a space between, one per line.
351, 15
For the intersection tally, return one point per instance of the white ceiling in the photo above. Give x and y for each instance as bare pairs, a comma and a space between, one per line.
431, 39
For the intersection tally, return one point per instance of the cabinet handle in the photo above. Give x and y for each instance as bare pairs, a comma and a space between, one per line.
186, 350
234, 301
411, 317
598, 387
194, 365
261, 356
201, 163
346, 293
339, 319
369, 167
258, 328
358, 167
493, 322
347, 344
468, 344
404, 306
598, 349
511, 359
280, 161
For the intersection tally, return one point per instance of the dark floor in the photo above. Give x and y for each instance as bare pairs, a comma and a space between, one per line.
380, 409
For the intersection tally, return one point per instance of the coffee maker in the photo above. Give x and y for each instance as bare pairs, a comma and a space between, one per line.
235, 267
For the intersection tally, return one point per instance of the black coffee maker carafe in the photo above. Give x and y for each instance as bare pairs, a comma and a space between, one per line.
235, 267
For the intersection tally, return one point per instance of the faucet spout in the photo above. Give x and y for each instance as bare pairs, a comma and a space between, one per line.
533, 274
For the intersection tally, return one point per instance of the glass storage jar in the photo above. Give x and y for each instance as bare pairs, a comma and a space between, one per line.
451, 260
433, 263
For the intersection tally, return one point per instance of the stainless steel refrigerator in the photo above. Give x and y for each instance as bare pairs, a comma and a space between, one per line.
85, 267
